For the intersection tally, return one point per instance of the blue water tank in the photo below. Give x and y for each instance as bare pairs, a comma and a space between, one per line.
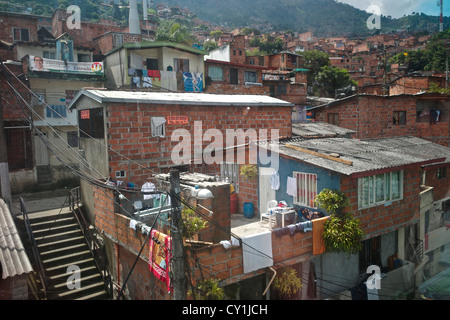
248, 210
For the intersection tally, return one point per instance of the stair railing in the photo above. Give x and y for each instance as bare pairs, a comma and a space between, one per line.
34, 248
94, 244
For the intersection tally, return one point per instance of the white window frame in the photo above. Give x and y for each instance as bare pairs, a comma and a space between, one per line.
306, 188
374, 183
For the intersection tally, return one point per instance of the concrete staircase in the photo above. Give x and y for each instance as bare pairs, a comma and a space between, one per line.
61, 245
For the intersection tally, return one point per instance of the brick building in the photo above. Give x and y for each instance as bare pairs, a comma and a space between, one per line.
154, 150
394, 215
233, 78
372, 116
136, 152
414, 84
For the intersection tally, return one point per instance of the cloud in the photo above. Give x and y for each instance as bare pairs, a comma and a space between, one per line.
398, 8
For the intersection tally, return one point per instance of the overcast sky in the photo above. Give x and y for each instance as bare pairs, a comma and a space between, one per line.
398, 8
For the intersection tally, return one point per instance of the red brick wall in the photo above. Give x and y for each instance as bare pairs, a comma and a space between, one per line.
129, 131
10, 21
141, 284
382, 219
208, 262
409, 85
441, 186
371, 117
237, 50
12, 108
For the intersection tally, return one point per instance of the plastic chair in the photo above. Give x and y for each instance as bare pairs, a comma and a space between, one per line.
271, 206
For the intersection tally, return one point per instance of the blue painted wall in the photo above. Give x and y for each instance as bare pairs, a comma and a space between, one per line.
325, 178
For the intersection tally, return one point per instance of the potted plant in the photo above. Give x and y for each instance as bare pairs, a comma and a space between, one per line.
342, 231
249, 171
208, 289
287, 283
192, 223
332, 201
343, 234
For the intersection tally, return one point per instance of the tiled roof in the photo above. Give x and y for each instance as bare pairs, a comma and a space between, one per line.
13, 258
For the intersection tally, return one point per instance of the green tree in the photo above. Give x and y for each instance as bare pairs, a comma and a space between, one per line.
314, 61
209, 45
172, 31
216, 34
329, 79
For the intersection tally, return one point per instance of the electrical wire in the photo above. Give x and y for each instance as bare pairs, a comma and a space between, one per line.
204, 216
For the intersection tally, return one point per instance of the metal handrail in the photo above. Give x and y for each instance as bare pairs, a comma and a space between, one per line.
34, 247
96, 249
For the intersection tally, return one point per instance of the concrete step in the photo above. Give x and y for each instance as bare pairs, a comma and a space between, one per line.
61, 269
56, 235
69, 257
50, 246
85, 290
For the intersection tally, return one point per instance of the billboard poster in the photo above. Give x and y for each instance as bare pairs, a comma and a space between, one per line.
39, 64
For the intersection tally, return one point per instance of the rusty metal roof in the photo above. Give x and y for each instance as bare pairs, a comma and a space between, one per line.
13, 257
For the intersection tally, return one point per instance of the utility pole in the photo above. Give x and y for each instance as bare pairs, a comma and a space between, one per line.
179, 278
5, 187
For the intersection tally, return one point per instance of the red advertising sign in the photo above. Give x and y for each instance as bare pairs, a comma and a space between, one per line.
177, 120
84, 114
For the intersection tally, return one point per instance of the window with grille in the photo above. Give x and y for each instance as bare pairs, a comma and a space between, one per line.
306, 188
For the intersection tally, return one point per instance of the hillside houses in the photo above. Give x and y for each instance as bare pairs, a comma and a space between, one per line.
122, 112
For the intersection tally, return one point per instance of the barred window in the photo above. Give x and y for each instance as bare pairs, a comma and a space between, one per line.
306, 188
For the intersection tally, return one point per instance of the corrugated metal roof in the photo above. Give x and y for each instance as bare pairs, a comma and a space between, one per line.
366, 156
319, 129
13, 258
180, 98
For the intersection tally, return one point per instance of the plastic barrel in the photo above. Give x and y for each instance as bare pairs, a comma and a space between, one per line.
233, 203
248, 210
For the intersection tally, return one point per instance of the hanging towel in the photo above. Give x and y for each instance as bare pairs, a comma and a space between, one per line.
146, 82
148, 187
275, 180
169, 80
159, 256
154, 74
133, 224
257, 251
156, 122
317, 229
291, 188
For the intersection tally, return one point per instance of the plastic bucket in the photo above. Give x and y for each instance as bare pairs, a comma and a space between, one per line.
248, 210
